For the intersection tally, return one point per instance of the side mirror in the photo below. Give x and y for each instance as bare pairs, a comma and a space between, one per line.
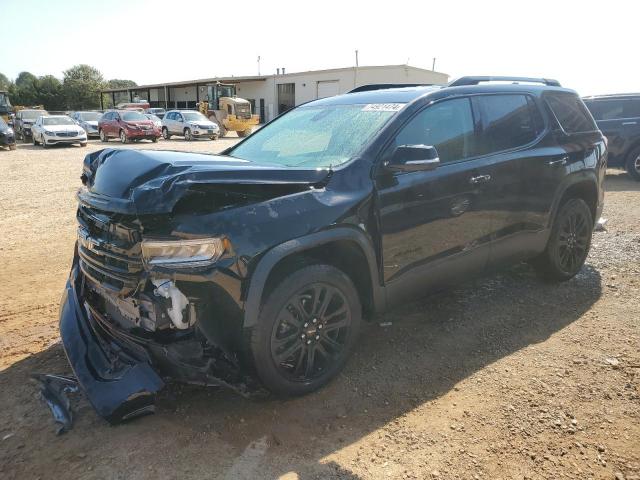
414, 158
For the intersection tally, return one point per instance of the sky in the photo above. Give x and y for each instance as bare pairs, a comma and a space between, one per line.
592, 47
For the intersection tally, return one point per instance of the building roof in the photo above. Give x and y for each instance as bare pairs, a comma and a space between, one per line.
257, 78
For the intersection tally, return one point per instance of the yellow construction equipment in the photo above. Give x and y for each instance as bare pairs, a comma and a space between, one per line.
223, 107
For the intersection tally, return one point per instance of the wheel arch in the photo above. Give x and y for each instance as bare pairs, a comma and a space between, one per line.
582, 186
345, 248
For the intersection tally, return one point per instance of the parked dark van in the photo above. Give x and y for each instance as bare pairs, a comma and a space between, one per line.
256, 268
618, 117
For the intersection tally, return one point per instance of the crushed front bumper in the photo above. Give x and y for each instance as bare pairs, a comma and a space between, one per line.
117, 378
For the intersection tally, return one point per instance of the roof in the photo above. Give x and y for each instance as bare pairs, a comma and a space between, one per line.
257, 78
406, 95
612, 96
389, 95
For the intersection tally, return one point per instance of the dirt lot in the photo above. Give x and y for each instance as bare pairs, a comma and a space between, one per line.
503, 377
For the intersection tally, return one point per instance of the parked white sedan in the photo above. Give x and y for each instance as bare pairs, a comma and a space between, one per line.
57, 129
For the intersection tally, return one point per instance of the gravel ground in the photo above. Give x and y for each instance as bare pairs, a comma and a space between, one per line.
502, 377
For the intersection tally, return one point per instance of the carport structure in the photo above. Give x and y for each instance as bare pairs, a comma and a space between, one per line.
184, 94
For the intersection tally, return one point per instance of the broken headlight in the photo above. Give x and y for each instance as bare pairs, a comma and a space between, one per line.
198, 252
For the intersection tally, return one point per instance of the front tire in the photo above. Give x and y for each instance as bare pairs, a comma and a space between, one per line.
35, 142
633, 164
244, 133
165, 133
569, 242
154, 139
103, 136
187, 135
123, 137
306, 330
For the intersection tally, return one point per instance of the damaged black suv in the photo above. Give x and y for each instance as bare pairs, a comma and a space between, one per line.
255, 268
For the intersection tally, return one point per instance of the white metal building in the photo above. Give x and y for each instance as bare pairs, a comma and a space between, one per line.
271, 95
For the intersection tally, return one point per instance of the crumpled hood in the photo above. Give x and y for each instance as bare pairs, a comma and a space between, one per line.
148, 182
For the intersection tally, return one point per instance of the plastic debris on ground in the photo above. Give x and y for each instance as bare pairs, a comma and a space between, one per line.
54, 390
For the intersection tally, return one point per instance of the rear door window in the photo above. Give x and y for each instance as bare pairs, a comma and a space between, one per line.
509, 121
570, 112
632, 108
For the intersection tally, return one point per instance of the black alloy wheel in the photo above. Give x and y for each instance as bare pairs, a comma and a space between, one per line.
569, 242
310, 332
633, 164
307, 327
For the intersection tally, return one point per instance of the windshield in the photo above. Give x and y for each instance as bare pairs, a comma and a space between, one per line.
226, 91
89, 116
133, 117
57, 121
316, 137
194, 116
32, 114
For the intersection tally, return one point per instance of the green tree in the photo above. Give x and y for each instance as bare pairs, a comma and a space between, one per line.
50, 93
24, 89
116, 83
4, 82
82, 85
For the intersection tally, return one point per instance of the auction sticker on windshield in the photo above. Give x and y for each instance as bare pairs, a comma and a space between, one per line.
382, 107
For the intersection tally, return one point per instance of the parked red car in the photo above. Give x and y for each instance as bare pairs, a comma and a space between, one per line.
127, 125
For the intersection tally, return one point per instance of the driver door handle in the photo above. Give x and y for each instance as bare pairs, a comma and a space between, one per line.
479, 179
559, 162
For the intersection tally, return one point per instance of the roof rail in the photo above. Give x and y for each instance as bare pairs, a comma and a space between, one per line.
384, 86
459, 82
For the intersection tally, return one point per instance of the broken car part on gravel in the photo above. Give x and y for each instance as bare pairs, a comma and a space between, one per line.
54, 390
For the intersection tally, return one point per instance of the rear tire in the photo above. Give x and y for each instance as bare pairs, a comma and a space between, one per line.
633, 164
154, 139
35, 142
83, 144
569, 242
306, 330
12, 147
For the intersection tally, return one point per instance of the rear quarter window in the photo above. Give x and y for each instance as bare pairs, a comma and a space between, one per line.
570, 112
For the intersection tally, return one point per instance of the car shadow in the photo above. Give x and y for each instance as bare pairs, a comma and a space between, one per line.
420, 354
621, 182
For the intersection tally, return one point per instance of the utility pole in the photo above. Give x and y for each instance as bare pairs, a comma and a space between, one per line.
433, 65
258, 65
356, 58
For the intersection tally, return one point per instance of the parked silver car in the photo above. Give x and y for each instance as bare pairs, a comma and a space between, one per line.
88, 121
188, 123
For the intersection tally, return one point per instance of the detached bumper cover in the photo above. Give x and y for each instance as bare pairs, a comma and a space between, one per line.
119, 385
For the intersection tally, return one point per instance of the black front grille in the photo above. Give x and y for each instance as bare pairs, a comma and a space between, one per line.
66, 134
109, 250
